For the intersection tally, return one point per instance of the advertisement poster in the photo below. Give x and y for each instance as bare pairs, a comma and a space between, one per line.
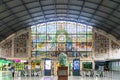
76, 64
48, 64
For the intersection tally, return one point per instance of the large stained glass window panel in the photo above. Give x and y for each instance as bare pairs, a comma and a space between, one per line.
51, 38
37, 53
41, 38
81, 29
33, 30
81, 38
51, 47
51, 28
34, 38
71, 38
89, 38
34, 46
81, 46
61, 27
71, 28
61, 24
71, 46
41, 46
61, 38
89, 46
41, 29
61, 46
89, 29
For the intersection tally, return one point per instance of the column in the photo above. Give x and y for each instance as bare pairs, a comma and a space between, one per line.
110, 49
12, 52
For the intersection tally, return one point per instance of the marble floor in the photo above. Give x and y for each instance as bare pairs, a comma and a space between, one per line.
108, 76
55, 78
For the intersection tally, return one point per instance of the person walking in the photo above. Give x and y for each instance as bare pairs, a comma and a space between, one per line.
13, 71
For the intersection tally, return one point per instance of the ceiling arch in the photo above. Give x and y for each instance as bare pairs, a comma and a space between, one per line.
20, 14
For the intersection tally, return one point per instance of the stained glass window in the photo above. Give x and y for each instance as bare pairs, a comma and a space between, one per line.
51, 46
51, 38
41, 29
51, 28
81, 29
89, 29
33, 29
71, 28
41, 46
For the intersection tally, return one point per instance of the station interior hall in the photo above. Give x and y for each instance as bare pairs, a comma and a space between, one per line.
59, 39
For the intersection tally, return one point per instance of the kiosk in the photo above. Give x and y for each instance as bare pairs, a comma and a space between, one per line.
76, 67
47, 67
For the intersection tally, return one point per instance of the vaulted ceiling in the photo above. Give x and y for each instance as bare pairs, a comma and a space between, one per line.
20, 14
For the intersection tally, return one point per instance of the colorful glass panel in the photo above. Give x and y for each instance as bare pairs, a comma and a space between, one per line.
41, 38
41, 29
51, 46
54, 37
81, 38
51, 38
71, 28
81, 29
89, 29
41, 46
51, 28
33, 30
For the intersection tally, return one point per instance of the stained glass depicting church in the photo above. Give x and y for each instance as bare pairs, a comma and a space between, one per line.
51, 38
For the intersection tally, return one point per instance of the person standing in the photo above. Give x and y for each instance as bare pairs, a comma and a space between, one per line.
13, 71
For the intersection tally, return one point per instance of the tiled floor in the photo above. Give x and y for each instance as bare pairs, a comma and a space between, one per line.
70, 78
108, 76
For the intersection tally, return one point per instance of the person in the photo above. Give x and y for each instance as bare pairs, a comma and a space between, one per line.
13, 71
4, 67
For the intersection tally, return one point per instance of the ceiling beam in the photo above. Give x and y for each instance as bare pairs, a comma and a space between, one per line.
54, 1
115, 1
81, 10
6, 26
98, 6
59, 4
34, 21
72, 14
68, 7
42, 10
13, 14
1, 2
111, 14
78, 0
74, 10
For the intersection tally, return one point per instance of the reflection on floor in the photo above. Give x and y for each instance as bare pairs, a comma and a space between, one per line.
70, 78
108, 76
